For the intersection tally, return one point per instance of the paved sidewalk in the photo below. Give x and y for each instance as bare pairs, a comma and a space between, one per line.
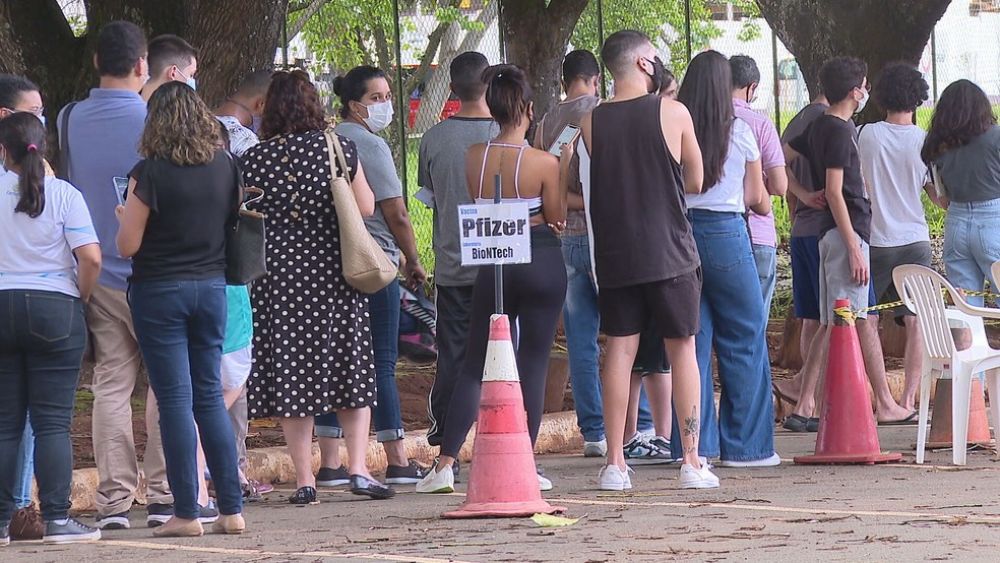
788, 513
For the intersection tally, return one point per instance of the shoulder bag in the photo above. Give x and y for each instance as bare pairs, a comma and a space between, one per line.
246, 240
366, 267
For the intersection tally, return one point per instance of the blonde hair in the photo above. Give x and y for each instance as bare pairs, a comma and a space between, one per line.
179, 127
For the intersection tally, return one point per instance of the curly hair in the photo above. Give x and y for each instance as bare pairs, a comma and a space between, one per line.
292, 106
962, 114
179, 127
900, 87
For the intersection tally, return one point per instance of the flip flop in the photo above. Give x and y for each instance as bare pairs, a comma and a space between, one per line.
781, 396
908, 421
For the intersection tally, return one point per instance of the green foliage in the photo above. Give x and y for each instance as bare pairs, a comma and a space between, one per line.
663, 21
342, 33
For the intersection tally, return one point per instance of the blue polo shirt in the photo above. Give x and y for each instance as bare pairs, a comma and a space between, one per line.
103, 136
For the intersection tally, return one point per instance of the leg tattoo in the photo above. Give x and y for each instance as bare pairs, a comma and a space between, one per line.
690, 427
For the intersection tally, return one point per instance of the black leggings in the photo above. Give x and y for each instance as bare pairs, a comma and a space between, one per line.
533, 298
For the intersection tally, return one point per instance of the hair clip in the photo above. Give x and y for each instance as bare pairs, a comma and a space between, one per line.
32, 147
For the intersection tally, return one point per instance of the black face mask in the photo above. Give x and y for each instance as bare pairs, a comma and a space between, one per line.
659, 72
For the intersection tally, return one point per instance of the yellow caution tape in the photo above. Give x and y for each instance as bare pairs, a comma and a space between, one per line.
843, 311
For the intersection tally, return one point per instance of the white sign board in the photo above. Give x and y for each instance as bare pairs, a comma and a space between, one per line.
494, 233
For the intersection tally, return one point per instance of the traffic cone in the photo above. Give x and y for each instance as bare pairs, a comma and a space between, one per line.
846, 426
503, 481
979, 424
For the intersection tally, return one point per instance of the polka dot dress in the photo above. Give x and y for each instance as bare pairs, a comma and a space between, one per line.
312, 341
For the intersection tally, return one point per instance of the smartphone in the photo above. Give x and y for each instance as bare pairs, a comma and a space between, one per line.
121, 189
566, 136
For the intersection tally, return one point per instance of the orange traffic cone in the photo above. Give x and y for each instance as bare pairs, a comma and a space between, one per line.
503, 481
846, 425
979, 424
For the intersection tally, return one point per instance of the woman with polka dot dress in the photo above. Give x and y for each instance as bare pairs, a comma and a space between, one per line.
312, 340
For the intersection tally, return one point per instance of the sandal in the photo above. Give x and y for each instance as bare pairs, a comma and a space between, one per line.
305, 495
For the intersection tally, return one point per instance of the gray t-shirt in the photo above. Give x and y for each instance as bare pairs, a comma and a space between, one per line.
972, 173
380, 170
565, 113
442, 172
808, 221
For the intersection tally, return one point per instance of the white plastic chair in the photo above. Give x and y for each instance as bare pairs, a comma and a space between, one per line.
920, 288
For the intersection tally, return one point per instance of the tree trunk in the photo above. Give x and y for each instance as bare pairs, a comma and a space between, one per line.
536, 37
436, 91
36, 41
876, 31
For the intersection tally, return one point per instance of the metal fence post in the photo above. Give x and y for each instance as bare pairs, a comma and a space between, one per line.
600, 43
500, 33
934, 69
687, 29
776, 79
404, 110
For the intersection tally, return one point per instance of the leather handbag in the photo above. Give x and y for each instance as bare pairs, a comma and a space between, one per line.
246, 240
366, 267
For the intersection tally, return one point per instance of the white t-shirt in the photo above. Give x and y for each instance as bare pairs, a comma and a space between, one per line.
241, 138
37, 253
895, 177
727, 194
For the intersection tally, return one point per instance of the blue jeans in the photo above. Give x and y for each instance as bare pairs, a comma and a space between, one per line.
765, 258
25, 467
732, 322
971, 244
384, 310
42, 336
180, 326
581, 321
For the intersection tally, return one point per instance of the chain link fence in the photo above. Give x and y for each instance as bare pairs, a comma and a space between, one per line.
415, 40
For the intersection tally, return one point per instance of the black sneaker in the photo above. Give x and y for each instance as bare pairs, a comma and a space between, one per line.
114, 521
158, 514
639, 451
305, 495
404, 475
4, 534
69, 531
208, 514
329, 477
371, 488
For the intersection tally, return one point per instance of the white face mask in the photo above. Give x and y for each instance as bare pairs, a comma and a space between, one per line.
864, 100
379, 116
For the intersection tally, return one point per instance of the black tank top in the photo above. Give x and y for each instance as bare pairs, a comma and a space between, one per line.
641, 231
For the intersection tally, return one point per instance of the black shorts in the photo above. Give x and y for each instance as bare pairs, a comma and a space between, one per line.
672, 305
651, 357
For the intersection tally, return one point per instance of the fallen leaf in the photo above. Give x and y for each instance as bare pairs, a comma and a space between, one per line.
550, 521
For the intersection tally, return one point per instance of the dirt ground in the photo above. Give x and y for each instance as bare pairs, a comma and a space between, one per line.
897, 512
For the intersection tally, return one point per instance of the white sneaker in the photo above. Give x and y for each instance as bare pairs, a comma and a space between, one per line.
772, 461
612, 478
544, 484
703, 478
595, 449
437, 482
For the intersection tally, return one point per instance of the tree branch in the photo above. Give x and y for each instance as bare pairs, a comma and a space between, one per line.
309, 8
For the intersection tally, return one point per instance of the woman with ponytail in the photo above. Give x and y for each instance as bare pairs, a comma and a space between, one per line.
533, 293
49, 262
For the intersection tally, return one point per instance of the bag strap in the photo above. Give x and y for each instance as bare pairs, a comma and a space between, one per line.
64, 142
333, 144
241, 190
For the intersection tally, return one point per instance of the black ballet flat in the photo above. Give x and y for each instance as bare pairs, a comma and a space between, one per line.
370, 488
305, 495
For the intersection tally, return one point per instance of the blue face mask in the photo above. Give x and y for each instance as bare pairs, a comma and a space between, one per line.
189, 80
255, 124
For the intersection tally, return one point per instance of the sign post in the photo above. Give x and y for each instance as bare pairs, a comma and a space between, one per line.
494, 234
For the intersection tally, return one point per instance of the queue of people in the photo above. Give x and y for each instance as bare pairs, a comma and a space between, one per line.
653, 225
